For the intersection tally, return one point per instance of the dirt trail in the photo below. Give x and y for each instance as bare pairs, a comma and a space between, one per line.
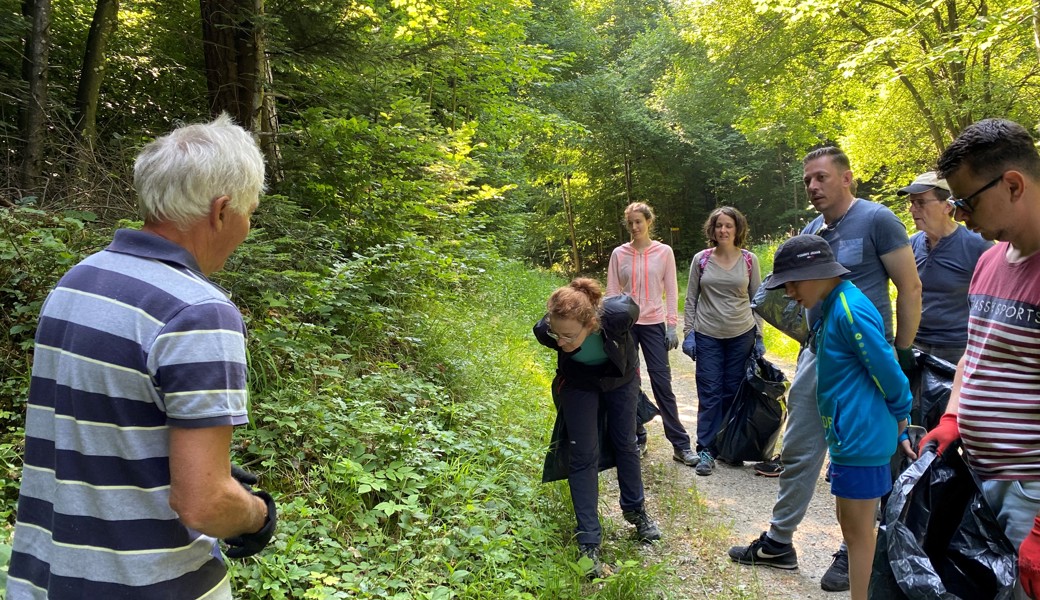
739, 499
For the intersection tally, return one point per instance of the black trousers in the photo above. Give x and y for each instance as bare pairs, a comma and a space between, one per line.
580, 409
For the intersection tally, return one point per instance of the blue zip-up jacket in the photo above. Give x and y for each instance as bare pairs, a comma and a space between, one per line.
861, 391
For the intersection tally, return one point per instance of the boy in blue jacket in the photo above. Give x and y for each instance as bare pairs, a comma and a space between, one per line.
863, 396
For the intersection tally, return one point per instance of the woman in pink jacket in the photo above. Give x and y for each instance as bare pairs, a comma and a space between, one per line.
645, 269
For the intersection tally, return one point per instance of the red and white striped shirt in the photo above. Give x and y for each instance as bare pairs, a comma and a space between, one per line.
999, 411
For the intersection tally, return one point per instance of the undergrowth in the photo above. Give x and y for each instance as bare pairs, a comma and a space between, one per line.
399, 413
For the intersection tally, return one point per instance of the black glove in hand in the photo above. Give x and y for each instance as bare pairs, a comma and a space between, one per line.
907, 361
248, 544
247, 479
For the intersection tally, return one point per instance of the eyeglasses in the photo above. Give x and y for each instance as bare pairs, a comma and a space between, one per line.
966, 204
562, 338
921, 202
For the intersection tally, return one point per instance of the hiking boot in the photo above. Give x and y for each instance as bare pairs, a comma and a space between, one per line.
836, 579
767, 553
706, 464
769, 468
646, 530
687, 457
591, 551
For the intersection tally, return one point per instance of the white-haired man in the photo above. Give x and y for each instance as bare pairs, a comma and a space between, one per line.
139, 376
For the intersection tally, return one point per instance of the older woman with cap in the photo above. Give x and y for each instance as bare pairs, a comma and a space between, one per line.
946, 253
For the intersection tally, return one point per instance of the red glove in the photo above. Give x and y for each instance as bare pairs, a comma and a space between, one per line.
944, 434
1029, 561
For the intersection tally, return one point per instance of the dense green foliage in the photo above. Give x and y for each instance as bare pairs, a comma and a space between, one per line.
391, 412
420, 141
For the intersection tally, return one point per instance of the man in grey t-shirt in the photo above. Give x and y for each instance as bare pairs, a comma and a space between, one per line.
871, 242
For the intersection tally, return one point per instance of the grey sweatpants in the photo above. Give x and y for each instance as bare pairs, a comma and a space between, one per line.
804, 450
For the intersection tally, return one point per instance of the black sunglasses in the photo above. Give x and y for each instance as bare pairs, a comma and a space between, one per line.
966, 204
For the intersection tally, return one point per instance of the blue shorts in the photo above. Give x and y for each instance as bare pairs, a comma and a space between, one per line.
860, 483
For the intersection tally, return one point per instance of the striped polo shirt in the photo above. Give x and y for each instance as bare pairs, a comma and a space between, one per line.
132, 341
999, 409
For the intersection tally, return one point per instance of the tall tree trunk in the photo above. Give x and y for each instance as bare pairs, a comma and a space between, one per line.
570, 222
1036, 28
34, 110
269, 129
93, 71
238, 75
232, 63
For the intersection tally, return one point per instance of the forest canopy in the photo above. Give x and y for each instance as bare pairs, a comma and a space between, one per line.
430, 166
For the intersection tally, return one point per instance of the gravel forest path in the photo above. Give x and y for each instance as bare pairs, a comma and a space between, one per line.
734, 506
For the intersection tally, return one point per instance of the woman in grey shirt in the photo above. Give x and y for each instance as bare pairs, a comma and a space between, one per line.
723, 279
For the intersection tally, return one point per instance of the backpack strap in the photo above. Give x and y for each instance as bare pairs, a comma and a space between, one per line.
747, 261
703, 262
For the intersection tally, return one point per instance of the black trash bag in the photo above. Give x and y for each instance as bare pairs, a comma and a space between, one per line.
900, 461
939, 538
781, 312
930, 387
646, 410
752, 424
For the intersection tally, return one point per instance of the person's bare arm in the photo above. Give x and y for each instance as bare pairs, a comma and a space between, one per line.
202, 491
902, 270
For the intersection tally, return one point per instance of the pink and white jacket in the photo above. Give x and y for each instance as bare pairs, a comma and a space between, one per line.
649, 277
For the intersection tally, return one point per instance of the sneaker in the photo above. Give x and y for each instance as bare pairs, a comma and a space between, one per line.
836, 579
641, 449
646, 529
591, 552
767, 553
687, 457
706, 465
769, 468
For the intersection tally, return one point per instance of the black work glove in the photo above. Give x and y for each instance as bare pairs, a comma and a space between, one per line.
248, 544
907, 361
247, 479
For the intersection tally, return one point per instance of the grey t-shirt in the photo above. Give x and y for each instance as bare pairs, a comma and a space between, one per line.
865, 234
945, 272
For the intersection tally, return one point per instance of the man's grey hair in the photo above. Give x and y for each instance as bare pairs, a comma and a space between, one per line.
178, 175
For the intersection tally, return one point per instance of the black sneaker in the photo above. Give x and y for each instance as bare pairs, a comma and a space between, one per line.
591, 551
767, 553
687, 457
769, 468
641, 449
646, 529
836, 579
706, 464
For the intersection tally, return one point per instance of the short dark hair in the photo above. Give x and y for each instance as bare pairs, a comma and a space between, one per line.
989, 147
833, 152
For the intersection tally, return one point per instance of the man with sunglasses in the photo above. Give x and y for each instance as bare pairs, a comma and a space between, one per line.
993, 170
946, 253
